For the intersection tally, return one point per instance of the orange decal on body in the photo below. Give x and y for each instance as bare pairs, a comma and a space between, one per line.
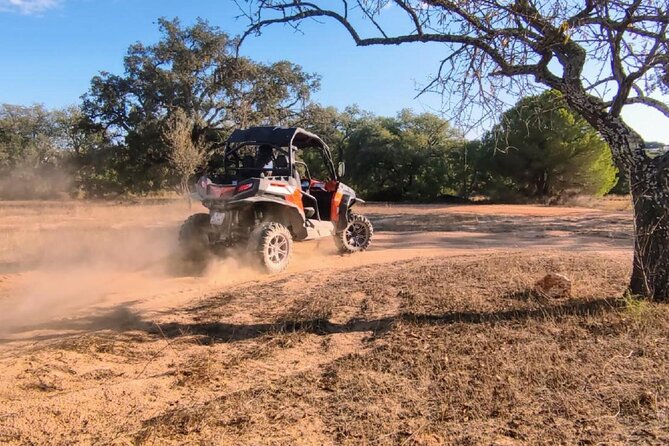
296, 199
334, 209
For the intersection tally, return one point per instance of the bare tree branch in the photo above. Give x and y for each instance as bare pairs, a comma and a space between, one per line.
414, 17
658, 105
494, 45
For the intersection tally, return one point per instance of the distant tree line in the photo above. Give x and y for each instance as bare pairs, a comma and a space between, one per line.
144, 131
540, 151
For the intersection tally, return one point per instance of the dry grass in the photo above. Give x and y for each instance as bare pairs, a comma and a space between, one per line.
429, 351
463, 360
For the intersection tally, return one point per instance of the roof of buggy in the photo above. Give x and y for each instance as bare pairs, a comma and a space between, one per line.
278, 136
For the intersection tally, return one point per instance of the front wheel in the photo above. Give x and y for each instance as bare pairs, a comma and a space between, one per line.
356, 236
272, 245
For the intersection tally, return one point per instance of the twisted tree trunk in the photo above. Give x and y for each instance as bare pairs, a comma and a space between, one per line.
649, 188
650, 274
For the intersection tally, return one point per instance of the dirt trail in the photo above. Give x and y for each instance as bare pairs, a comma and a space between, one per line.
102, 343
60, 262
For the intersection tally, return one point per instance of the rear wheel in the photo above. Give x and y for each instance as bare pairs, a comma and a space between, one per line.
272, 245
194, 237
356, 237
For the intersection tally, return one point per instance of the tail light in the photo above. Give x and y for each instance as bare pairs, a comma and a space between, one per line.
243, 187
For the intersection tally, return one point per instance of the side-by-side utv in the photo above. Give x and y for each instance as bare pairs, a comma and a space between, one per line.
261, 196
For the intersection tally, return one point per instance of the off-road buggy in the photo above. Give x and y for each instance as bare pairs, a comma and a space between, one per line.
261, 196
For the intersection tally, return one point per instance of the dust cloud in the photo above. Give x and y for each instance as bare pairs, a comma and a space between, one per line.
62, 262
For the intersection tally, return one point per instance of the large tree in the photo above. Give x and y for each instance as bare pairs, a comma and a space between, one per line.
194, 69
600, 54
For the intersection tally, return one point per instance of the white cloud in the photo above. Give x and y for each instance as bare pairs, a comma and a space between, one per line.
28, 6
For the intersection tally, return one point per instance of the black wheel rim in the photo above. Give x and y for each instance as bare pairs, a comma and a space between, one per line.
357, 234
277, 249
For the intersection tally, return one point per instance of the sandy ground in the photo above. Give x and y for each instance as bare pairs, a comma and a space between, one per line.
60, 259
101, 338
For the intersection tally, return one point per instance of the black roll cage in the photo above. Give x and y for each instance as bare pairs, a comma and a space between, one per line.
279, 138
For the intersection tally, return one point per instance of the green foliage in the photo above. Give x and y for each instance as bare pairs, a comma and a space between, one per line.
401, 158
546, 152
193, 69
467, 169
27, 136
334, 127
116, 143
101, 172
50, 153
542, 150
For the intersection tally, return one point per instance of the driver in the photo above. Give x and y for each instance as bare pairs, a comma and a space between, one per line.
265, 157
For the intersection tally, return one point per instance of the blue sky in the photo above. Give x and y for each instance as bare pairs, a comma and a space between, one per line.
50, 49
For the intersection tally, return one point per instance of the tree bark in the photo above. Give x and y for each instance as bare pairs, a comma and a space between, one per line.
650, 273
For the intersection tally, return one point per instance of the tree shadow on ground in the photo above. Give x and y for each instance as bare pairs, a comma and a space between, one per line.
123, 319
214, 332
